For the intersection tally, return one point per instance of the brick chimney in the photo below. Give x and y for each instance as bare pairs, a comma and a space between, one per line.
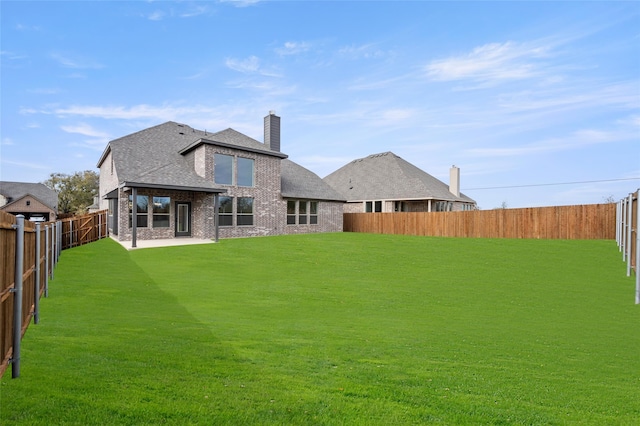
272, 131
454, 181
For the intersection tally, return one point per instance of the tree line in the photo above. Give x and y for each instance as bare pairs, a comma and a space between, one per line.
75, 192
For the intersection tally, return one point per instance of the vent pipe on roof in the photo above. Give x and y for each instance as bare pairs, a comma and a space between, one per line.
272, 131
454, 181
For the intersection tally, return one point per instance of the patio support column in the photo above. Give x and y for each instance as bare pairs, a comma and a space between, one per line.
216, 203
134, 217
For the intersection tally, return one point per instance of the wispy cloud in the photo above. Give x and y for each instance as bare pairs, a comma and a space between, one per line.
250, 65
70, 61
576, 140
195, 11
490, 62
12, 55
246, 66
366, 51
22, 27
293, 48
241, 3
156, 15
44, 91
86, 130
23, 164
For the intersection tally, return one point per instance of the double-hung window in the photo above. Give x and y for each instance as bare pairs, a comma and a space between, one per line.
223, 169
291, 212
225, 211
161, 212
313, 212
302, 212
245, 171
142, 209
244, 215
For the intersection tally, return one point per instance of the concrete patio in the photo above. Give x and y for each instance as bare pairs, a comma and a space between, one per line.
140, 244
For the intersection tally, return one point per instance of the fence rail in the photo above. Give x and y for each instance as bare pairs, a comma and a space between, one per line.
628, 235
591, 221
28, 254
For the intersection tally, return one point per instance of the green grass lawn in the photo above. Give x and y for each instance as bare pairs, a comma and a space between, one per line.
334, 329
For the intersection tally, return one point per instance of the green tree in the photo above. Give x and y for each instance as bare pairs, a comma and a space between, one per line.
75, 192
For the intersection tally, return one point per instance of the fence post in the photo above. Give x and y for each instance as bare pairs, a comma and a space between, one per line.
36, 300
59, 241
623, 229
17, 297
638, 247
53, 248
618, 224
47, 228
629, 226
71, 233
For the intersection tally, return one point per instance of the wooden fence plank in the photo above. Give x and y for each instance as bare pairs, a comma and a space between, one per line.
592, 221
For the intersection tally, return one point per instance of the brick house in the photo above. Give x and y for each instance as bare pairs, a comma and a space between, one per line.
387, 183
35, 201
191, 183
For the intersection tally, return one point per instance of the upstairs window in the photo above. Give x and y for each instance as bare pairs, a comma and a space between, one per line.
223, 169
245, 171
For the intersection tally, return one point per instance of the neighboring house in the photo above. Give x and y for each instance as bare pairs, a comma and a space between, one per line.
188, 182
35, 201
387, 183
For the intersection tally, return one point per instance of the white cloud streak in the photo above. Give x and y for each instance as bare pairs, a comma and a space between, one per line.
69, 61
293, 48
490, 62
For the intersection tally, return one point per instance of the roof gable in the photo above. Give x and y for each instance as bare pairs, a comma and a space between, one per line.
14, 191
387, 176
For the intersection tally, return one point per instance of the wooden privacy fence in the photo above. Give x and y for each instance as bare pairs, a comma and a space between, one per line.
79, 230
28, 254
627, 235
592, 221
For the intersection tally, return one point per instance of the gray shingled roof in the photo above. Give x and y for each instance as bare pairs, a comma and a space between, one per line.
16, 190
386, 176
298, 182
151, 157
155, 157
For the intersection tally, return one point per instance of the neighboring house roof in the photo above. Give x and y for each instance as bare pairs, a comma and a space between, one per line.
14, 191
298, 182
386, 176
